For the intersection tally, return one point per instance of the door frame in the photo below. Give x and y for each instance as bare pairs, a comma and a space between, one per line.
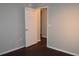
47, 20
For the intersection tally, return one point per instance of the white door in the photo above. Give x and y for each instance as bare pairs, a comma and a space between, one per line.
32, 26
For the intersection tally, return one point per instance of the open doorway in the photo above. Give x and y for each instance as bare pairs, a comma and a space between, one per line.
43, 25
35, 26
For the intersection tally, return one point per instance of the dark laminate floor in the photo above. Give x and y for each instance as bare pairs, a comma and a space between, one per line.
38, 49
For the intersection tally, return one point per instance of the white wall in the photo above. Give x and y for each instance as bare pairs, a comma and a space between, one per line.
44, 22
63, 27
12, 26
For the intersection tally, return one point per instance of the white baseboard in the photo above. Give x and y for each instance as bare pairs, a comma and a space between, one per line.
44, 36
39, 40
63, 51
11, 50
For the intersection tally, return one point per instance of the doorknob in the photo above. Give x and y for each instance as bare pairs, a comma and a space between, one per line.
26, 29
